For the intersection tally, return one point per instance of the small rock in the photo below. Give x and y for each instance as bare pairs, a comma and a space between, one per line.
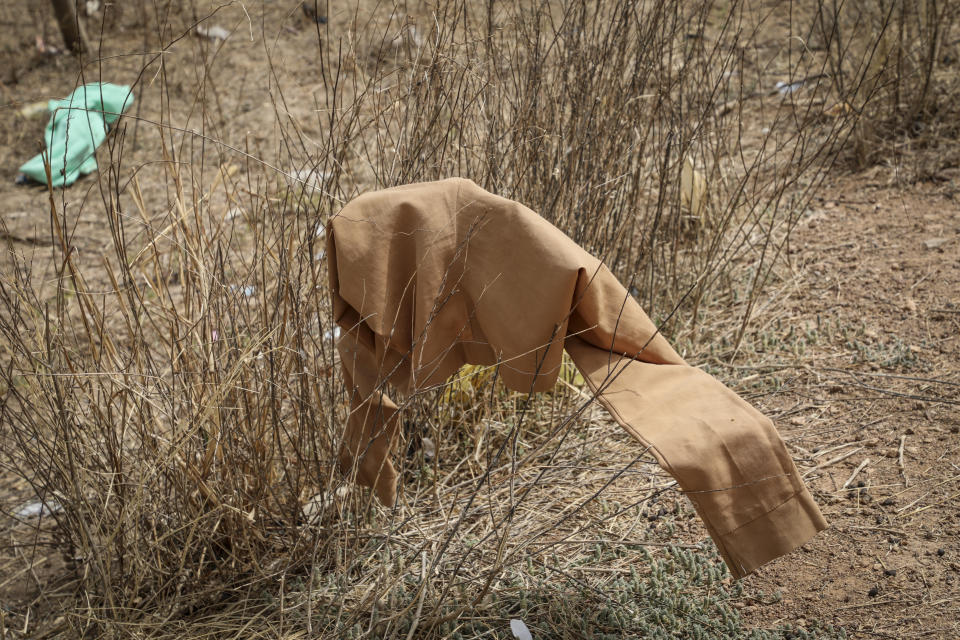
429, 448
890, 572
941, 552
935, 243
874, 592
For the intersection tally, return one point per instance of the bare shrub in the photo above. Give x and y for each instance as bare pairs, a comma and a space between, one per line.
896, 63
177, 391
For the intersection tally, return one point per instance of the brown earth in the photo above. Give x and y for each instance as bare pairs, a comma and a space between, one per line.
878, 271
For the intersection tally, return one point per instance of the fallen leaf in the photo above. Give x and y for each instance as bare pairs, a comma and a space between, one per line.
693, 190
934, 243
839, 109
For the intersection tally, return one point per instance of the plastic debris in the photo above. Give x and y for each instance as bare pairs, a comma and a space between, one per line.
786, 88
77, 127
33, 109
39, 508
47, 49
520, 630
247, 290
212, 32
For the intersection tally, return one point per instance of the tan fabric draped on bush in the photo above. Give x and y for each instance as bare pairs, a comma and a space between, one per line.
428, 277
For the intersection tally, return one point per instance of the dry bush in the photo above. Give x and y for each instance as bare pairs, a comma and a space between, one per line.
178, 395
897, 63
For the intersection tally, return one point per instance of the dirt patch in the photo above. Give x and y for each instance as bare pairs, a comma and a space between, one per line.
876, 389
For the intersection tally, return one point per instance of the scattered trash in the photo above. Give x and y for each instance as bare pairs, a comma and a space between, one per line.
320, 502
21, 180
83, 119
233, 213
321, 255
92, 6
39, 508
520, 630
321, 231
784, 88
33, 109
429, 448
334, 334
935, 243
46, 49
247, 290
213, 32
214, 335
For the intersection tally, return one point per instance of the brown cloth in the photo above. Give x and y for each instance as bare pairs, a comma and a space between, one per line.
428, 277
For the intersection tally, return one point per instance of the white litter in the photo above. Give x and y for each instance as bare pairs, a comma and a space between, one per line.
39, 508
785, 88
248, 290
213, 32
519, 630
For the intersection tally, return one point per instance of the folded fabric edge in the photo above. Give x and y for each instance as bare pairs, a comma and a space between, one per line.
774, 534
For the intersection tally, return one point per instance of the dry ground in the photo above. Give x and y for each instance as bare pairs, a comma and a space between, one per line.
858, 357
879, 273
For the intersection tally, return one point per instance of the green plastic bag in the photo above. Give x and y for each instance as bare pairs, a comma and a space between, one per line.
78, 125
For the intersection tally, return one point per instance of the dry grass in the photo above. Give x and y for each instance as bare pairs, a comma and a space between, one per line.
177, 393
